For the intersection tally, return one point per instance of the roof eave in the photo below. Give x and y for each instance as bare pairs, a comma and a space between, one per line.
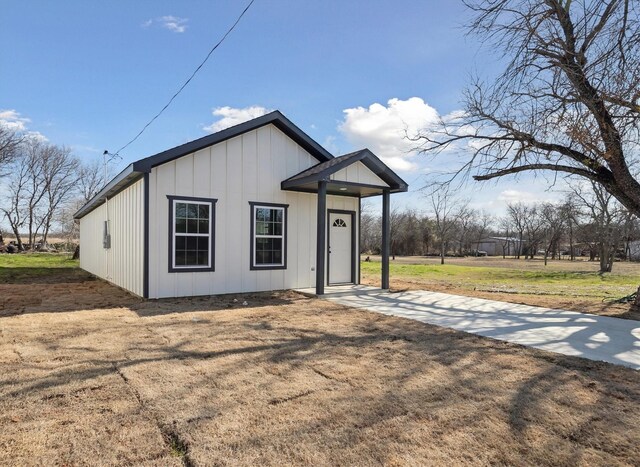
125, 178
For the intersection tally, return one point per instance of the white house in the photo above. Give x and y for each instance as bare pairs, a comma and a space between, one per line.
256, 207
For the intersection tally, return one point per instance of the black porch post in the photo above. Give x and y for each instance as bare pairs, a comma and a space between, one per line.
385, 238
321, 236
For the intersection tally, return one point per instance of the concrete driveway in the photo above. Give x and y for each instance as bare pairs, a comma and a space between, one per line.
594, 337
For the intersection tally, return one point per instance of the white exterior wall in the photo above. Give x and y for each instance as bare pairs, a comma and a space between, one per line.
122, 264
358, 173
247, 168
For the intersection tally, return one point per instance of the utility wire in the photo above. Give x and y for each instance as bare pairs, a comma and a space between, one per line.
233, 26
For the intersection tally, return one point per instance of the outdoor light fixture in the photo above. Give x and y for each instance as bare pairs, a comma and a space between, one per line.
343, 188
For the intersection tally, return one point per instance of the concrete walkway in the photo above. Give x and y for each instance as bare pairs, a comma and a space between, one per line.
594, 337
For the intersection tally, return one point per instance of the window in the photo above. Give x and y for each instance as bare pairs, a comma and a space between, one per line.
192, 227
268, 236
339, 223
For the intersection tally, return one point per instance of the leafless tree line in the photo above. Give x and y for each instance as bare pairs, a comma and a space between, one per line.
588, 221
41, 185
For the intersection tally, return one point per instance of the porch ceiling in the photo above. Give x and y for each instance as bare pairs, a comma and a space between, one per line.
340, 188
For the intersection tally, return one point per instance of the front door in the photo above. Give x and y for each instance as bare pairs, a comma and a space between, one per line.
340, 242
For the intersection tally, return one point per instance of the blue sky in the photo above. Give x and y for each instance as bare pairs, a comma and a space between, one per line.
90, 74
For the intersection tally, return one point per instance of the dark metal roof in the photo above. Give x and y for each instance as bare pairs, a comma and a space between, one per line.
136, 169
323, 171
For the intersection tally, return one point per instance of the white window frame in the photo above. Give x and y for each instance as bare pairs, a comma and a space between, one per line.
282, 264
174, 234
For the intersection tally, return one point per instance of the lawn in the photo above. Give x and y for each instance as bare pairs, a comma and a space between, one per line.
27, 266
563, 284
94, 375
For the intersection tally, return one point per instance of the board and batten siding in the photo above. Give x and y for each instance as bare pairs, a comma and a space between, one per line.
249, 167
358, 173
122, 264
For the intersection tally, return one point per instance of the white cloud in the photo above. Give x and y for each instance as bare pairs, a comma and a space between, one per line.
13, 120
10, 118
526, 197
170, 22
230, 116
383, 129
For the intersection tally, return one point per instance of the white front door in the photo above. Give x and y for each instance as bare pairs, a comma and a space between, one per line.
340, 242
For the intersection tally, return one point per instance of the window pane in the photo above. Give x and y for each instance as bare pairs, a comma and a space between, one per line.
181, 243
203, 211
180, 258
203, 243
203, 258
261, 228
192, 258
277, 257
192, 226
181, 210
203, 226
262, 214
192, 211
181, 225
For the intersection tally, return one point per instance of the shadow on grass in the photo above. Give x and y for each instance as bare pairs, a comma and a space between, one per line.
165, 306
43, 275
417, 375
61, 289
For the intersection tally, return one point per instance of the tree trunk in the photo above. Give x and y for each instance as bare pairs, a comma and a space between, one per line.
606, 258
442, 253
635, 306
76, 253
18, 238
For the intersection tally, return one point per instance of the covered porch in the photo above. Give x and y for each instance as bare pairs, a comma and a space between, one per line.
359, 174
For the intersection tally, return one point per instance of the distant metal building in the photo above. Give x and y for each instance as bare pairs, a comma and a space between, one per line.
499, 246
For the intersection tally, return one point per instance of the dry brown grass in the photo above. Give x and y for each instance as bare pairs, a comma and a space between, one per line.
291, 380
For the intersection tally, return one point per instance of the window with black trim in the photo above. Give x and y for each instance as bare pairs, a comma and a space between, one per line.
268, 236
191, 234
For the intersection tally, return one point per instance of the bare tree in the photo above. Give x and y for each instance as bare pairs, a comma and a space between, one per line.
606, 220
43, 178
568, 99
10, 141
444, 206
91, 179
483, 222
518, 213
506, 242
60, 175
465, 220
552, 218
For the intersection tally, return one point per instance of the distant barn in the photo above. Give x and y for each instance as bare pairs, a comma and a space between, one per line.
499, 246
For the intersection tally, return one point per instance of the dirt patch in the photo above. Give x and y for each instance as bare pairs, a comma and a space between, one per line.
291, 380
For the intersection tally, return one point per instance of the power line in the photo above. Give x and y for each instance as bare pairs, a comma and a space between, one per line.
233, 26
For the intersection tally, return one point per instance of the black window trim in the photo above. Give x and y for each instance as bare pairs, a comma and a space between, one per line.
285, 207
212, 233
